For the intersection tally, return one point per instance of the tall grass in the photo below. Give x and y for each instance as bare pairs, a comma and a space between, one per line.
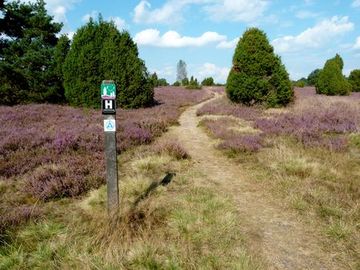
185, 224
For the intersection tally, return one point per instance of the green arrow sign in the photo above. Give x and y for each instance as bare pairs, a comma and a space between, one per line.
108, 90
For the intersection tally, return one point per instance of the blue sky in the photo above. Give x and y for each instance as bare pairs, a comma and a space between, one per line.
204, 33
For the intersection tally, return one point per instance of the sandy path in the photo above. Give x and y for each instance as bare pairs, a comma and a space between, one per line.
276, 235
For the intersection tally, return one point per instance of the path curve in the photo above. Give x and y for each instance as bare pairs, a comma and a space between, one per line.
275, 234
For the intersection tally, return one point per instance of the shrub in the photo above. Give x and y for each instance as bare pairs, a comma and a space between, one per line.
193, 84
313, 77
158, 82
354, 79
208, 82
300, 83
331, 80
257, 75
185, 82
176, 83
98, 52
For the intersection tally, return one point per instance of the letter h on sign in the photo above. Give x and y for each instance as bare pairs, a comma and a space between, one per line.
108, 106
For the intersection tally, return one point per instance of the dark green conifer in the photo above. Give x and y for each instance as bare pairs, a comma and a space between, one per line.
354, 79
257, 75
331, 81
100, 52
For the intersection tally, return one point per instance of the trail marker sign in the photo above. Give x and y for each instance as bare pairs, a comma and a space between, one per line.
108, 89
109, 125
108, 106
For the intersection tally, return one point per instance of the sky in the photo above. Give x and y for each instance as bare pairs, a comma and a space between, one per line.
204, 33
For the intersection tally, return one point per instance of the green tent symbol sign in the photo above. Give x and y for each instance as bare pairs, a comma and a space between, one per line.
108, 90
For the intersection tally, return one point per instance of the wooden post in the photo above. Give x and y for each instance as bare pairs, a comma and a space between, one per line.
108, 101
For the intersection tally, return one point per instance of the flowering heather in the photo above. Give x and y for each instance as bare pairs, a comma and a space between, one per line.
243, 143
301, 93
171, 147
63, 146
232, 139
223, 106
314, 120
17, 216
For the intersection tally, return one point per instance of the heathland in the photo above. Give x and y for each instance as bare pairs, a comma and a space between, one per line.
247, 188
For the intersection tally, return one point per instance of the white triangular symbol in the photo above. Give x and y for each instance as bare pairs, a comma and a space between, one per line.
109, 125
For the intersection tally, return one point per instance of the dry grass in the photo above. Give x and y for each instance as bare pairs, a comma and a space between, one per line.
321, 185
182, 225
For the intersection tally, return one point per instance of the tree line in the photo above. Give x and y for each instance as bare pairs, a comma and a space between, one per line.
330, 81
38, 66
259, 77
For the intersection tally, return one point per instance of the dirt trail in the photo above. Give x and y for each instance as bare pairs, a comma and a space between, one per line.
276, 235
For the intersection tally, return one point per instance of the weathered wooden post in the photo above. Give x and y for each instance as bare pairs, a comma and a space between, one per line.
108, 101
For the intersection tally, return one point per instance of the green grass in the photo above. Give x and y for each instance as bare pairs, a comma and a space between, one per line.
184, 225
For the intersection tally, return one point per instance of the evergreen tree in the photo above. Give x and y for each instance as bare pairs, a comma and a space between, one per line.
99, 51
154, 79
185, 82
162, 82
313, 77
331, 81
208, 82
193, 84
28, 38
257, 75
354, 79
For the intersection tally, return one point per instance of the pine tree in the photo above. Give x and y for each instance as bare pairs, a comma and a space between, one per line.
27, 57
257, 75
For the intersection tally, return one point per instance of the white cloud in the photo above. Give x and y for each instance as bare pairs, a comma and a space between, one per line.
316, 36
228, 44
93, 14
219, 74
357, 43
355, 3
171, 11
70, 34
166, 72
168, 13
172, 39
119, 23
59, 13
57, 8
240, 10
305, 14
